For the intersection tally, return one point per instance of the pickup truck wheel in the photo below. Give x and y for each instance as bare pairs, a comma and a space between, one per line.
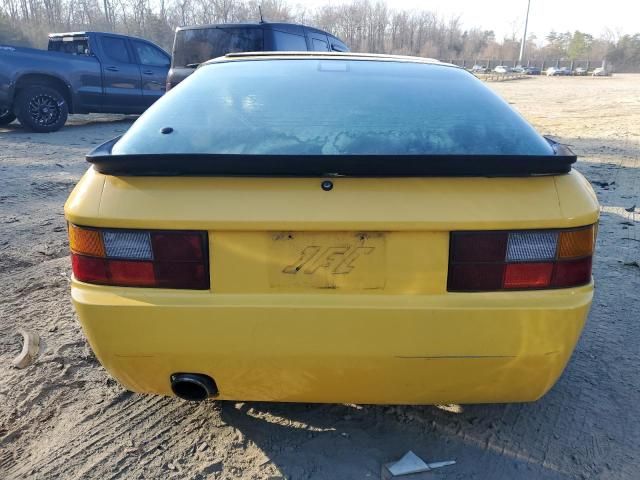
41, 109
6, 116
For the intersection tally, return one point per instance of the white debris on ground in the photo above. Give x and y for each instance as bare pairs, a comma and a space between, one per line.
30, 347
409, 465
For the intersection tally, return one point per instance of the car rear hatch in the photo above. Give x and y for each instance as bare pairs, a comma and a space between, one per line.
361, 190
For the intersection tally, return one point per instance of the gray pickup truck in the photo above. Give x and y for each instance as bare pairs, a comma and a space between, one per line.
81, 72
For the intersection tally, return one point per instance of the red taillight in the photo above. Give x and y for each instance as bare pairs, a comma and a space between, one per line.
472, 277
572, 272
89, 269
520, 260
137, 258
124, 272
177, 247
527, 275
187, 275
479, 247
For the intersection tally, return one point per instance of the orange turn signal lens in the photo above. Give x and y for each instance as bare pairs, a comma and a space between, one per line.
85, 241
576, 243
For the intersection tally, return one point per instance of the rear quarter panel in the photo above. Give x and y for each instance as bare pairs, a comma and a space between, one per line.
81, 74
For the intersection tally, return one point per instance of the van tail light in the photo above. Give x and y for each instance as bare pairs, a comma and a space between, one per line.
520, 259
139, 258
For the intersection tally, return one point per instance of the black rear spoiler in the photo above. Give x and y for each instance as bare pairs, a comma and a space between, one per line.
206, 164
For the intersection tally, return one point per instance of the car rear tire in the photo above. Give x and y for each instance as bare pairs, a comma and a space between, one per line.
42, 109
6, 116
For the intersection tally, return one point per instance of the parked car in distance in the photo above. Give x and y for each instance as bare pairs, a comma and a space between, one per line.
600, 72
532, 70
196, 44
580, 71
502, 69
558, 71
81, 72
333, 227
479, 69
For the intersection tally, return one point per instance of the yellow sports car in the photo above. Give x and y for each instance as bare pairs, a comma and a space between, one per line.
333, 228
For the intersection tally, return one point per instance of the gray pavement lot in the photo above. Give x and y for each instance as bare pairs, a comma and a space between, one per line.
63, 417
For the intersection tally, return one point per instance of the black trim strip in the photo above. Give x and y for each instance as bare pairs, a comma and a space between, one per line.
173, 164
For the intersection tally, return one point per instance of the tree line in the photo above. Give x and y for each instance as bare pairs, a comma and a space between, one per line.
365, 25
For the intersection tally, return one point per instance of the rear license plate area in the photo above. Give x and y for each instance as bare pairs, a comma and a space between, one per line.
327, 260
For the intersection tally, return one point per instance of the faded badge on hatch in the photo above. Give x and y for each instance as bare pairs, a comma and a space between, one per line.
331, 260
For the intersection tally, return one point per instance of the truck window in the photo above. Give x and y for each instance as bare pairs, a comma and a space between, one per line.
288, 42
320, 45
70, 45
115, 49
201, 44
150, 55
338, 46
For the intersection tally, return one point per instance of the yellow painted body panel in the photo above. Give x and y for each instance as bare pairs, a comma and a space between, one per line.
381, 329
354, 204
460, 348
254, 262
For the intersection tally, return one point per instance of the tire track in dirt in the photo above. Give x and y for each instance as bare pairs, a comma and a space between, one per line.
120, 420
93, 443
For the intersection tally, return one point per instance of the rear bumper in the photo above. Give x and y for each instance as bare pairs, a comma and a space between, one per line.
395, 349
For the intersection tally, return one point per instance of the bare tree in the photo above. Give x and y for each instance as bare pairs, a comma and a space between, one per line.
365, 25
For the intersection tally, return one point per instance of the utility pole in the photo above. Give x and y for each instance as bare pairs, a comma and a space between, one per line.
524, 35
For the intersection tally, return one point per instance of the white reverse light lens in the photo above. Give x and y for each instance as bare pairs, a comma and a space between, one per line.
529, 246
131, 245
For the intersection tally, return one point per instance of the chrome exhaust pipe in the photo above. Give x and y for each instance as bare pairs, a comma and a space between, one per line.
194, 387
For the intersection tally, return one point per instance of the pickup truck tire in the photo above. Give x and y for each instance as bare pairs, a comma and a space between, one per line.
41, 108
6, 116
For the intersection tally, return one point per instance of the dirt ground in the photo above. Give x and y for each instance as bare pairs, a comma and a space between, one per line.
63, 417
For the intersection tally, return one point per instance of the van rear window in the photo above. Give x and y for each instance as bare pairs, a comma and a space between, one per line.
196, 46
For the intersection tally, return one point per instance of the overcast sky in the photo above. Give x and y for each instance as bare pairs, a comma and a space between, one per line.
506, 16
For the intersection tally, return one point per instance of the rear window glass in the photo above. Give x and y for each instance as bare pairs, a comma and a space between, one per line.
202, 44
73, 46
320, 45
288, 42
332, 107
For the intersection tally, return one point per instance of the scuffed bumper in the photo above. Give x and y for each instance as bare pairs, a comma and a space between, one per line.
395, 349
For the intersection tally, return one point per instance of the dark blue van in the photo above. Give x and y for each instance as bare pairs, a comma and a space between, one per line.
197, 44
